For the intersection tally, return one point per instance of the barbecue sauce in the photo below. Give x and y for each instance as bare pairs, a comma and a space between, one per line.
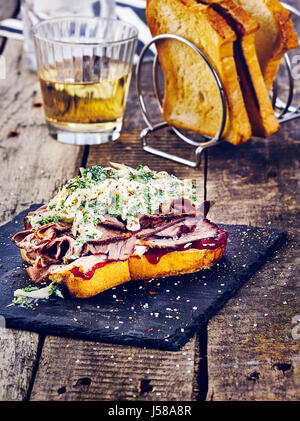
88, 275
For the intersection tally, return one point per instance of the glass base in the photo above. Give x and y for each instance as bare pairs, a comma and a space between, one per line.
73, 137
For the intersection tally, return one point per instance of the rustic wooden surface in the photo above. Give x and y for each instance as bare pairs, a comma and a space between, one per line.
247, 351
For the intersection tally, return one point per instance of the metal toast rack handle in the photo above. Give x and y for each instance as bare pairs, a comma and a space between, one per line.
284, 111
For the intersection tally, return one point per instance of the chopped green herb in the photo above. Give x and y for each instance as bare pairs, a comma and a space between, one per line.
142, 177
92, 204
85, 215
56, 290
45, 221
77, 183
29, 289
98, 173
25, 302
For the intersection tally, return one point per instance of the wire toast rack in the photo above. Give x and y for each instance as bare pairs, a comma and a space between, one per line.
284, 110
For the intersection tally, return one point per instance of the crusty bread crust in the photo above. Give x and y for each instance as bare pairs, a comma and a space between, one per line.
259, 107
175, 263
275, 37
136, 268
191, 98
110, 275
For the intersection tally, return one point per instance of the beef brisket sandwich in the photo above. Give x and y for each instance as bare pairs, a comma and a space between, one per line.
116, 224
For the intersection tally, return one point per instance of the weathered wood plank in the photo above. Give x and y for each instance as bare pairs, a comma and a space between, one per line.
18, 352
31, 167
255, 184
15, 372
97, 371
251, 352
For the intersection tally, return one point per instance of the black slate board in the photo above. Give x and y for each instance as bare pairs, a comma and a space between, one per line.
159, 313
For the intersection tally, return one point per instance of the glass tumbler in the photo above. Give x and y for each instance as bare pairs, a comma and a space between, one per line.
35, 11
84, 67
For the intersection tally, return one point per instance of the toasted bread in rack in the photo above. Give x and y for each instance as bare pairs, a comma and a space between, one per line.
275, 36
256, 96
192, 99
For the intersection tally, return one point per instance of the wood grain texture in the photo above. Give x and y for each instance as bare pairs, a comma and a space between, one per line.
251, 354
254, 184
18, 351
97, 371
250, 341
32, 165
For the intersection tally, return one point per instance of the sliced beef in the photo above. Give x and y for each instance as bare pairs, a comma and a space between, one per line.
53, 244
203, 229
41, 209
60, 247
146, 232
49, 231
111, 221
119, 250
38, 273
110, 235
182, 206
20, 236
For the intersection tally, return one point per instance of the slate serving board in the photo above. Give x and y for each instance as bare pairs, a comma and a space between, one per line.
158, 313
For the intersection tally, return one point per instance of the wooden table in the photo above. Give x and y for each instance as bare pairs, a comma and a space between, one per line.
247, 351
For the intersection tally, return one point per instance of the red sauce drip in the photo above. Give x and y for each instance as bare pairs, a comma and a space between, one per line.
155, 254
88, 275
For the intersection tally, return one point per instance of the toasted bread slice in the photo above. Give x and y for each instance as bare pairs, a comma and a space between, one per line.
110, 275
135, 268
175, 263
275, 36
192, 99
256, 96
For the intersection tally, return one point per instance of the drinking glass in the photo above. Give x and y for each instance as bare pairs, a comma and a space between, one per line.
84, 67
35, 11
